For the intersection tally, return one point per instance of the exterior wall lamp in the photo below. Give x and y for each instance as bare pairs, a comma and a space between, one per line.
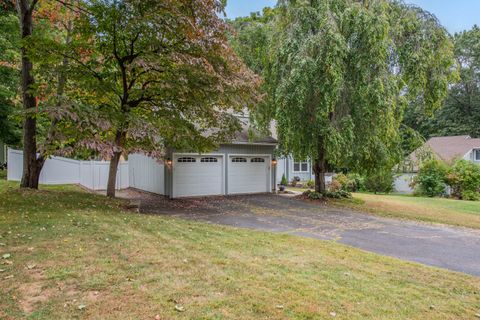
169, 162
274, 162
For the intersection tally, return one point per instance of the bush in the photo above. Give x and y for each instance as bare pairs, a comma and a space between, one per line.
313, 195
284, 181
340, 194
430, 180
310, 184
464, 178
349, 182
380, 181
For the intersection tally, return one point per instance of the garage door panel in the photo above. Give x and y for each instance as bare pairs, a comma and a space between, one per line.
248, 177
197, 178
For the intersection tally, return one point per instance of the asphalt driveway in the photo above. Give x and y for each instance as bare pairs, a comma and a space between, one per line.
436, 245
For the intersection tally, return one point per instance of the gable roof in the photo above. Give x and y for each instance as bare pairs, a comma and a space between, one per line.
449, 148
249, 135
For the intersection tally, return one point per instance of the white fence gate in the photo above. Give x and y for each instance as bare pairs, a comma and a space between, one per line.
57, 170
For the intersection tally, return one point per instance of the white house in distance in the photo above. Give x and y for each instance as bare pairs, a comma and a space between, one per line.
447, 149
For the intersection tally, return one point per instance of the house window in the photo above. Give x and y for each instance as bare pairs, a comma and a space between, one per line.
257, 160
300, 166
209, 160
187, 159
477, 155
239, 159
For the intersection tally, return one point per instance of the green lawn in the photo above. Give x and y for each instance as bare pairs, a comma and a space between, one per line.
447, 211
72, 255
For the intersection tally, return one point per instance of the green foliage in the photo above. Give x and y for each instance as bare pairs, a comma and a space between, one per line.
313, 195
349, 182
9, 77
460, 113
284, 181
339, 194
379, 181
330, 104
464, 179
310, 184
430, 180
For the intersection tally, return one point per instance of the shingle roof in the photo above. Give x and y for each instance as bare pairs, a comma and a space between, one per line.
449, 148
250, 135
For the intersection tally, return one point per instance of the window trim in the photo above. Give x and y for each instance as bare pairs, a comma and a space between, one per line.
257, 160
476, 152
186, 160
239, 160
300, 166
209, 160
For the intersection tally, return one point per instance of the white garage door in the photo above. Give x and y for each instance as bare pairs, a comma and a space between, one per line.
195, 176
248, 174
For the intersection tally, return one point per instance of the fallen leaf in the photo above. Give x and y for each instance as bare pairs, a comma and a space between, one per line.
179, 308
279, 306
81, 307
6, 256
8, 277
333, 314
31, 266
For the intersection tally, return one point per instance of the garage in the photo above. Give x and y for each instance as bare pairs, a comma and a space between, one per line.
248, 174
197, 175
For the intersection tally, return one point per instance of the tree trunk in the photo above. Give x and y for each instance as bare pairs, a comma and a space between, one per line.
319, 170
32, 166
112, 173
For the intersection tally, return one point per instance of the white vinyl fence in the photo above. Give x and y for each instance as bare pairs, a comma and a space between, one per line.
146, 174
57, 170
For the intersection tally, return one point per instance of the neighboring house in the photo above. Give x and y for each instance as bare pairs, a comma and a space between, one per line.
447, 149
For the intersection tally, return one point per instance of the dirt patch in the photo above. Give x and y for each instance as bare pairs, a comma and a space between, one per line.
32, 294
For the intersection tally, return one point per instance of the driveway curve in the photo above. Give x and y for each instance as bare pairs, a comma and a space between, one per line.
457, 249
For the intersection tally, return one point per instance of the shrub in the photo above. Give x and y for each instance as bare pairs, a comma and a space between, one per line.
350, 182
313, 195
430, 180
284, 181
379, 181
310, 184
340, 194
334, 186
464, 178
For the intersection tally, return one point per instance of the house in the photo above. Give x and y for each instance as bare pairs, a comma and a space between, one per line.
447, 149
302, 170
245, 165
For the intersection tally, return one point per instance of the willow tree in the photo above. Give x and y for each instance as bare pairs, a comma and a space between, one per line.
342, 72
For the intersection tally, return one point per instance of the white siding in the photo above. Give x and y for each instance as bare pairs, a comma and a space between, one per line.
146, 173
402, 183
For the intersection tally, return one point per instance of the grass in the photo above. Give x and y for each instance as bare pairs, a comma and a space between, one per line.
75, 255
437, 210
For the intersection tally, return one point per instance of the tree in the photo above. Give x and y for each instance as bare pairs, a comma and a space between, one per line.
156, 74
460, 114
9, 73
341, 74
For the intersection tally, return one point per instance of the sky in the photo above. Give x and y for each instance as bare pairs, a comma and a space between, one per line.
455, 15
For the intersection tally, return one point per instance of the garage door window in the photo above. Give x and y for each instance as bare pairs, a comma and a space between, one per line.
257, 160
187, 159
209, 160
239, 159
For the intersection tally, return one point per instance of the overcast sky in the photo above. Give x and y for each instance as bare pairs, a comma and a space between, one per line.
455, 15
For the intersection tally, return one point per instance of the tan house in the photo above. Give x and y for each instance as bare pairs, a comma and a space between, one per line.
447, 149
